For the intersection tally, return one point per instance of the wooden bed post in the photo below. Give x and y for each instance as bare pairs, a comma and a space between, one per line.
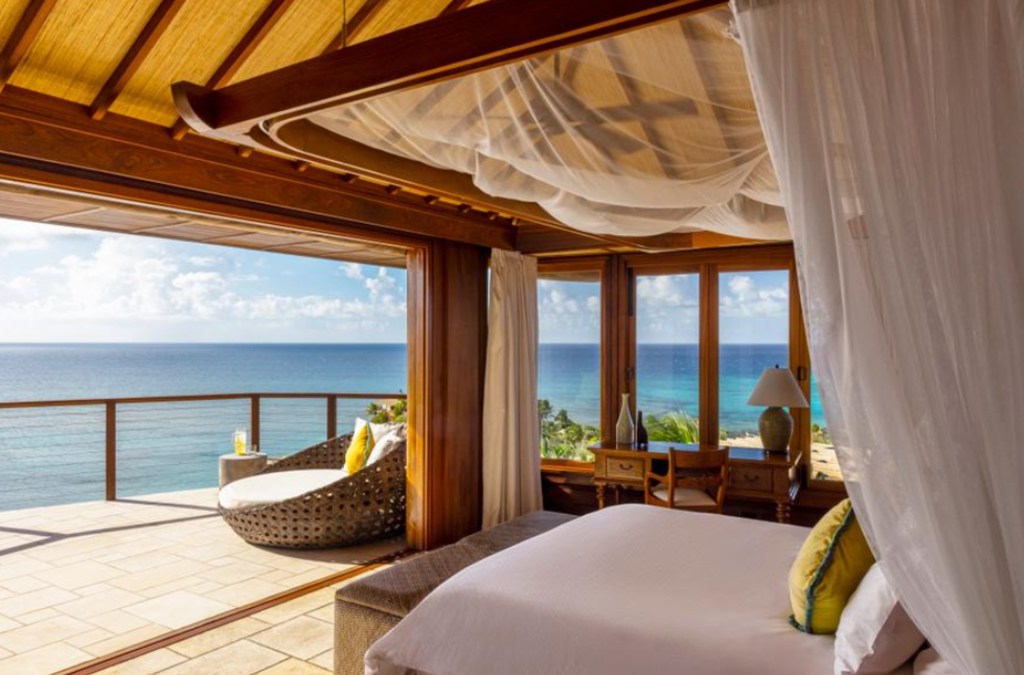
447, 296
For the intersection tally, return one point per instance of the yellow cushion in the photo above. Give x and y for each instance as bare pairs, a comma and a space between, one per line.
827, 570
359, 448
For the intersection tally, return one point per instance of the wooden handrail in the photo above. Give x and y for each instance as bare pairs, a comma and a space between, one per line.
6, 405
110, 405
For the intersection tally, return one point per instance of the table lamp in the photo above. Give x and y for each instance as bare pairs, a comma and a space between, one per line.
776, 388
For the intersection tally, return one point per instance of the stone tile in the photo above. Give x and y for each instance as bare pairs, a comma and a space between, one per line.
301, 637
145, 561
245, 592
123, 640
295, 667
158, 576
230, 570
99, 603
301, 605
7, 623
89, 637
238, 658
20, 566
178, 609
118, 621
324, 660
25, 584
42, 633
174, 586
79, 575
325, 613
219, 637
48, 659
38, 615
94, 589
30, 602
147, 664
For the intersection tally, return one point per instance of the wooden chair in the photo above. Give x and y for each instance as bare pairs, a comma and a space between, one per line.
695, 481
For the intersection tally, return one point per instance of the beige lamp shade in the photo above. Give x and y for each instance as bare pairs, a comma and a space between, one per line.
778, 387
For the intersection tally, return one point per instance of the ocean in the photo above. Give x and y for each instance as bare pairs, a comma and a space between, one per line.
56, 455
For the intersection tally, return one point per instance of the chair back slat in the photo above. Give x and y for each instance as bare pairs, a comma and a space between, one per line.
705, 471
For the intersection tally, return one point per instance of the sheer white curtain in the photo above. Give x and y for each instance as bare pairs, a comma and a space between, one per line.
897, 131
646, 132
511, 425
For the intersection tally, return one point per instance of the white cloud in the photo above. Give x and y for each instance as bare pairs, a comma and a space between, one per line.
745, 298
17, 236
565, 314
135, 288
352, 270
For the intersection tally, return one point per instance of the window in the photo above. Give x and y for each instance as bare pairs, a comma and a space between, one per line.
824, 464
668, 355
753, 334
569, 363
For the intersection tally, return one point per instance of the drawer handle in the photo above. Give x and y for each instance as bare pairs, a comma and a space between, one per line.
750, 478
625, 467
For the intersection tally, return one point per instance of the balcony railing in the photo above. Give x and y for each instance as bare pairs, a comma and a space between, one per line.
64, 438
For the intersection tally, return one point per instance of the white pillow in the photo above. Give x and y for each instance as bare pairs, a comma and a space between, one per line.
875, 633
928, 662
382, 429
385, 444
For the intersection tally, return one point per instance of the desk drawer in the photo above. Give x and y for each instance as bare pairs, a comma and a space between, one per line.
619, 468
751, 479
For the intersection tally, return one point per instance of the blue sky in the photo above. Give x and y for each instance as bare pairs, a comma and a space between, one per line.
753, 309
61, 284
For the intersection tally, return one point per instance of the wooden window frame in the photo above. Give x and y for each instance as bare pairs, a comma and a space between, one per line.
618, 337
605, 267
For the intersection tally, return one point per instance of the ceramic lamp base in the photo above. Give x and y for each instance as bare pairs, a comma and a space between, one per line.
776, 427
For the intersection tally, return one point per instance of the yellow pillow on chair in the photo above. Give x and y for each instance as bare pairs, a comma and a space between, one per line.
359, 448
827, 570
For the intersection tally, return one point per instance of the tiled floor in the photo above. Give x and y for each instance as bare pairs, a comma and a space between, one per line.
294, 638
84, 580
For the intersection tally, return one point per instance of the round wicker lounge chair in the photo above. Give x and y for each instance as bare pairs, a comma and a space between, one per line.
367, 505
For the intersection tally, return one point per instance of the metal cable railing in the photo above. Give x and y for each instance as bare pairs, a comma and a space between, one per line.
66, 451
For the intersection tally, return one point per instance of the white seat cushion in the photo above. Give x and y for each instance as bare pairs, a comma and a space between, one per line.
275, 487
684, 496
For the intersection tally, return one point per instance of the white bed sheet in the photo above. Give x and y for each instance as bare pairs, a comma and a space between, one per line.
629, 589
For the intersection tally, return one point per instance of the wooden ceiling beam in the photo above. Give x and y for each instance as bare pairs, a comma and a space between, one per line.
353, 27
241, 53
50, 142
137, 53
454, 6
473, 39
25, 31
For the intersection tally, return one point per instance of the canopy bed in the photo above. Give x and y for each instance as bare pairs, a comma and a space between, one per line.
887, 140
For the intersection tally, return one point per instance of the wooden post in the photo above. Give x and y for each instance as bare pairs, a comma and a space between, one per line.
332, 417
111, 460
254, 423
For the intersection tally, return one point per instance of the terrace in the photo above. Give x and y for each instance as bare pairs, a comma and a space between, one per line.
86, 585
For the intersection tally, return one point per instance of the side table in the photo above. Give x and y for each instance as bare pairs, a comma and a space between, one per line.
233, 467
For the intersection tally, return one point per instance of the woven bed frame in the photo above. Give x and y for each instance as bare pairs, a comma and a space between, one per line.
367, 505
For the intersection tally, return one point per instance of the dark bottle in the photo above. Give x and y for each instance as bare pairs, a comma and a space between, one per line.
641, 431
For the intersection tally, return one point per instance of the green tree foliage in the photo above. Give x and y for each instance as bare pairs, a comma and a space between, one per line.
819, 434
677, 427
382, 413
561, 437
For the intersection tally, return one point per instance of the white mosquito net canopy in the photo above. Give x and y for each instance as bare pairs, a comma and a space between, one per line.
648, 132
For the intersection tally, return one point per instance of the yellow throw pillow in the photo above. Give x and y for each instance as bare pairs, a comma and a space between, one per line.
359, 448
827, 570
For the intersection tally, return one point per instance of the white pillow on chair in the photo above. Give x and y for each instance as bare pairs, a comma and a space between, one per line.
875, 634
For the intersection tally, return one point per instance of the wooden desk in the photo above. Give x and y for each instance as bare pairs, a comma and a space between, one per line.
754, 475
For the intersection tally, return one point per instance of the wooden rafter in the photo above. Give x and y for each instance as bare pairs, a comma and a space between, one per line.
28, 26
454, 6
462, 42
356, 25
129, 64
241, 53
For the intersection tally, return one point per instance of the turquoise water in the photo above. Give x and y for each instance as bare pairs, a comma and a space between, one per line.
52, 456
